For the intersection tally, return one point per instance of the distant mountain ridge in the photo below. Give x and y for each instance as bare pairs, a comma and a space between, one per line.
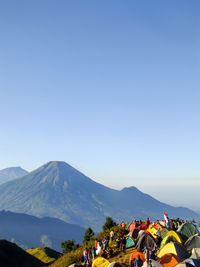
58, 190
29, 231
11, 173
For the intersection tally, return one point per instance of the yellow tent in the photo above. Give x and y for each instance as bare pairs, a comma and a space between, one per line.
152, 231
100, 262
170, 236
174, 248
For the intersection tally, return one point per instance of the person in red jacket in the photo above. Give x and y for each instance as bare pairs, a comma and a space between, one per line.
147, 222
85, 254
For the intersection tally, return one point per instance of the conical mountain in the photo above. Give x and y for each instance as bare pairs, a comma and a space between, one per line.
11, 173
58, 190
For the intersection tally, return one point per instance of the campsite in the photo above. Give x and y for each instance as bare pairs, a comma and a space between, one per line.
171, 242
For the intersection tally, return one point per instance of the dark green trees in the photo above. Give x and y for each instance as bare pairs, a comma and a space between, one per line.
108, 224
89, 236
68, 246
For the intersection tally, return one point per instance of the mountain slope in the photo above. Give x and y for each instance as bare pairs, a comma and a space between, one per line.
46, 255
12, 255
30, 231
58, 190
11, 173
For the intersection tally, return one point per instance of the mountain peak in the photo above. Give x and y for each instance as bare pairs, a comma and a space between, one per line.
12, 168
129, 189
57, 164
11, 173
57, 173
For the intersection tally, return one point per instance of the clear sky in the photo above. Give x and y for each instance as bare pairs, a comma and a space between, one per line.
110, 86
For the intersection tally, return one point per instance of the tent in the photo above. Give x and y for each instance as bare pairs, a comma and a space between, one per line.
189, 263
174, 248
145, 240
169, 260
187, 230
116, 264
140, 233
192, 242
100, 262
130, 242
135, 254
163, 232
195, 253
143, 227
152, 231
132, 226
158, 226
171, 236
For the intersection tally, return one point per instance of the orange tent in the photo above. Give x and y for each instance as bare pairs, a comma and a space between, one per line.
135, 254
169, 260
158, 227
131, 227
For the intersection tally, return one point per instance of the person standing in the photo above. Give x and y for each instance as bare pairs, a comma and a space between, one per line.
93, 252
123, 244
85, 255
111, 235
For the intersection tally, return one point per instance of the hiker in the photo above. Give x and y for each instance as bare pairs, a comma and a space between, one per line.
96, 243
147, 222
93, 252
89, 257
172, 225
111, 235
104, 254
158, 239
106, 242
123, 244
118, 241
85, 255
98, 249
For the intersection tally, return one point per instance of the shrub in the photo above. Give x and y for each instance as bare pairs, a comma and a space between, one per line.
68, 246
109, 223
89, 236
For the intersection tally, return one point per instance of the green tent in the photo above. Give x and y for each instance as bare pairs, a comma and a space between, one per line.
192, 242
163, 232
130, 242
171, 236
187, 230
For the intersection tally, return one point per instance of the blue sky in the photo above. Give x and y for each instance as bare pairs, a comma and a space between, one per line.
111, 87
